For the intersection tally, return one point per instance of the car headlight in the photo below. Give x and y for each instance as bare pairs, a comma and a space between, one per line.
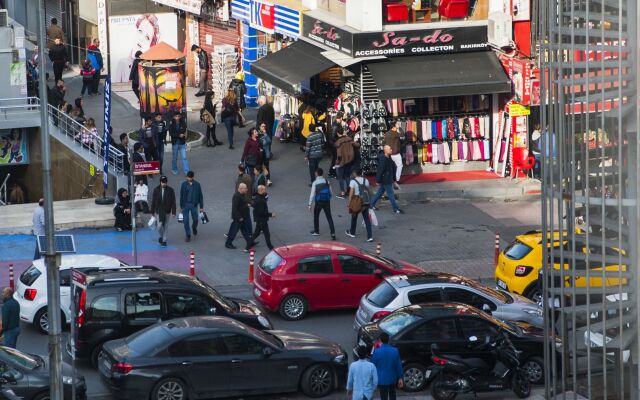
339, 358
264, 322
534, 311
67, 380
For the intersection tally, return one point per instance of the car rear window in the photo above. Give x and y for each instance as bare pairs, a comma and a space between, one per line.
517, 250
148, 341
30, 275
382, 295
270, 262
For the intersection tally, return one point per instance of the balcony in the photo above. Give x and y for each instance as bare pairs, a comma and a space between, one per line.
23, 112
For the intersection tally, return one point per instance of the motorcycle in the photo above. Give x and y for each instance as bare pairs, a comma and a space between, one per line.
453, 375
6, 393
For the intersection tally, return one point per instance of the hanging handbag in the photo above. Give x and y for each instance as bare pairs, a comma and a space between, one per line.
355, 205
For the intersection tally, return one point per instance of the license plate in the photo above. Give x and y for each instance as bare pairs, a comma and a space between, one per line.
502, 285
257, 292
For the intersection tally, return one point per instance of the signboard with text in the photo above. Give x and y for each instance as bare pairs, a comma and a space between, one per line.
262, 16
192, 6
146, 168
328, 35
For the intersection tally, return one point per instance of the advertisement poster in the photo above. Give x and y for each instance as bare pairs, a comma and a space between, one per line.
162, 89
130, 33
263, 16
13, 147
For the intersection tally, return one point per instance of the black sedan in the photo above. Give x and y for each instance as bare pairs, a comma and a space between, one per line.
456, 328
31, 375
205, 357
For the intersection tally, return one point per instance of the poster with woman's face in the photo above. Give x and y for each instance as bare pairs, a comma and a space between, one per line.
13, 147
130, 33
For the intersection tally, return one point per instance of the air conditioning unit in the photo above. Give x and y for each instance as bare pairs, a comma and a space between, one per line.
4, 17
500, 29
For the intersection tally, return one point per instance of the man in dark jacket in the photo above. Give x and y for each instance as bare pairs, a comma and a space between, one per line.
160, 135
261, 216
148, 139
58, 56
133, 75
95, 57
387, 360
191, 201
10, 318
56, 94
178, 133
314, 151
139, 156
203, 64
385, 177
337, 125
392, 138
239, 217
266, 115
123, 146
163, 204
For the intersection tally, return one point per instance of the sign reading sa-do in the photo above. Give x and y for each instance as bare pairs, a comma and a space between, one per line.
78, 278
262, 16
146, 168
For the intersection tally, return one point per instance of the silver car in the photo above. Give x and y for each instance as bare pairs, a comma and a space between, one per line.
428, 287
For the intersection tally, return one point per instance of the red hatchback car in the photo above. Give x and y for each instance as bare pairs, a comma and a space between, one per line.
320, 275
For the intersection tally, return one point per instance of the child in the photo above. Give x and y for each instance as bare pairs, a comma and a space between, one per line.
87, 76
140, 197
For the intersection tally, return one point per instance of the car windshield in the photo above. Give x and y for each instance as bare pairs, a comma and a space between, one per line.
517, 250
223, 301
18, 358
383, 260
397, 321
148, 341
494, 293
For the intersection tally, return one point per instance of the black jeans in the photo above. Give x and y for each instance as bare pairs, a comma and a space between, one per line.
367, 222
326, 207
262, 226
334, 158
58, 67
313, 166
387, 392
233, 231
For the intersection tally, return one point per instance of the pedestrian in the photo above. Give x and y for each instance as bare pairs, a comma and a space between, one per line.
178, 133
58, 57
38, 226
245, 178
139, 156
203, 63
95, 56
87, 77
229, 114
308, 120
208, 117
359, 192
89, 134
385, 176
78, 111
147, 136
321, 195
191, 201
140, 196
332, 136
344, 160
163, 205
266, 115
265, 140
10, 319
388, 364
240, 89
261, 216
392, 139
122, 211
252, 153
159, 128
362, 378
56, 94
133, 74
314, 151
240, 218
54, 31
259, 178
123, 146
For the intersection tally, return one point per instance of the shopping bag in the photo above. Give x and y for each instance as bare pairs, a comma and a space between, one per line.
153, 223
372, 217
180, 218
204, 218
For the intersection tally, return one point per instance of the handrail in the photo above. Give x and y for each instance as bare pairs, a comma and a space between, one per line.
73, 130
3, 191
16, 107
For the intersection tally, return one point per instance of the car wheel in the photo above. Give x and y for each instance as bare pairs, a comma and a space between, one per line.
414, 379
41, 320
534, 369
535, 294
42, 396
317, 381
293, 308
95, 354
169, 389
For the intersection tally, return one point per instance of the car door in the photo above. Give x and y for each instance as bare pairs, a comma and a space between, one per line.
142, 308
415, 344
204, 360
184, 304
357, 277
468, 296
423, 296
476, 332
317, 281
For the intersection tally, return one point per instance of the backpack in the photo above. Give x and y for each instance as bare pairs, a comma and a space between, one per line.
365, 193
323, 192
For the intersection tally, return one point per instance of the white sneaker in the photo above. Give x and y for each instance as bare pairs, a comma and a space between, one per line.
349, 234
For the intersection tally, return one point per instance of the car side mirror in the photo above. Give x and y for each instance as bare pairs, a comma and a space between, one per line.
378, 273
267, 351
486, 308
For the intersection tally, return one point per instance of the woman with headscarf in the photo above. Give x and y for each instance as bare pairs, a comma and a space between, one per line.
240, 89
208, 116
122, 211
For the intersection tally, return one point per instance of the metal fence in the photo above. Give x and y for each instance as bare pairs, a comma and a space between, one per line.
588, 57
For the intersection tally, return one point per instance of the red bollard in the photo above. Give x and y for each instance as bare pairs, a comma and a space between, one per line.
251, 255
497, 249
12, 283
378, 248
192, 264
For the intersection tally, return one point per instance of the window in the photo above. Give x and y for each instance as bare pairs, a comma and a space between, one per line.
30, 275
315, 265
397, 321
238, 344
356, 265
478, 328
382, 295
144, 305
424, 296
188, 305
270, 262
465, 296
201, 345
65, 277
104, 308
148, 342
517, 250
440, 329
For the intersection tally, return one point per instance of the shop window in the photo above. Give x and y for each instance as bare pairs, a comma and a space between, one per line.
424, 11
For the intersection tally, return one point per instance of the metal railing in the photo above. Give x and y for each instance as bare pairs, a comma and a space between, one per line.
74, 131
3, 190
19, 108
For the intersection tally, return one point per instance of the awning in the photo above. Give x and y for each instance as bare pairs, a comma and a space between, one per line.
290, 66
440, 75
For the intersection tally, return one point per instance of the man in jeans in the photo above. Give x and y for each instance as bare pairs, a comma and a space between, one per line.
392, 139
191, 201
359, 186
385, 177
203, 63
362, 378
314, 151
10, 318
321, 194
386, 358
163, 205
178, 133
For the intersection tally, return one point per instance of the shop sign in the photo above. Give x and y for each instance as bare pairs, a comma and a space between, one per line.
518, 110
192, 6
146, 168
327, 34
519, 71
262, 16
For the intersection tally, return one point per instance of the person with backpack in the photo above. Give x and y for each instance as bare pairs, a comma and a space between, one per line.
344, 162
95, 57
359, 203
314, 151
385, 176
321, 194
87, 77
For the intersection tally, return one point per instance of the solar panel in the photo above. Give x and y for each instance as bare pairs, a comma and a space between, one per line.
63, 243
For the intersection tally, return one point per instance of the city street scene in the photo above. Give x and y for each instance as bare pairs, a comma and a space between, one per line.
338, 199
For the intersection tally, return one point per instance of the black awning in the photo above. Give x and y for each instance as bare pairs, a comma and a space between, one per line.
440, 75
288, 67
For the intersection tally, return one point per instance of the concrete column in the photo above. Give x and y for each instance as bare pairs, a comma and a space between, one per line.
250, 55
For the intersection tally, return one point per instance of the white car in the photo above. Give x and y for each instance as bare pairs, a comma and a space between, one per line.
31, 287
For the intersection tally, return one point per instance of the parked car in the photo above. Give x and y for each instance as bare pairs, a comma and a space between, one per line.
430, 287
206, 357
31, 287
413, 329
31, 375
117, 304
293, 280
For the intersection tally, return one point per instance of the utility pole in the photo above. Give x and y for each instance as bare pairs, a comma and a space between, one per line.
134, 234
51, 261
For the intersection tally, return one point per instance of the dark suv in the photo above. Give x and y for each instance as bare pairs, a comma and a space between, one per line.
117, 304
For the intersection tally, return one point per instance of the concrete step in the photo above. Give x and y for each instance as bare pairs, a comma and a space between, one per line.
503, 189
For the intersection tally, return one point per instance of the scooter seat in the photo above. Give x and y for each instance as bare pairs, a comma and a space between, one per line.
472, 362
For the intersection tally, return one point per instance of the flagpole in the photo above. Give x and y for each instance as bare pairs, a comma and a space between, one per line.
105, 144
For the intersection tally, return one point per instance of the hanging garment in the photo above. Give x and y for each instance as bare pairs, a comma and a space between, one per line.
434, 153
438, 130
476, 126
481, 149
454, 150
428, 153
466, 128
408, 155
461, 151
441, 158
469, 150
451, 130
443, 123
456, 127
487, 151
447, 152
420, 154
477, 155
429, 125
425, 131
503, 149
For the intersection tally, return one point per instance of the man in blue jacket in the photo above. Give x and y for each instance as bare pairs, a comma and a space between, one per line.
191, 201
95, 57
386, 358
385, 176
